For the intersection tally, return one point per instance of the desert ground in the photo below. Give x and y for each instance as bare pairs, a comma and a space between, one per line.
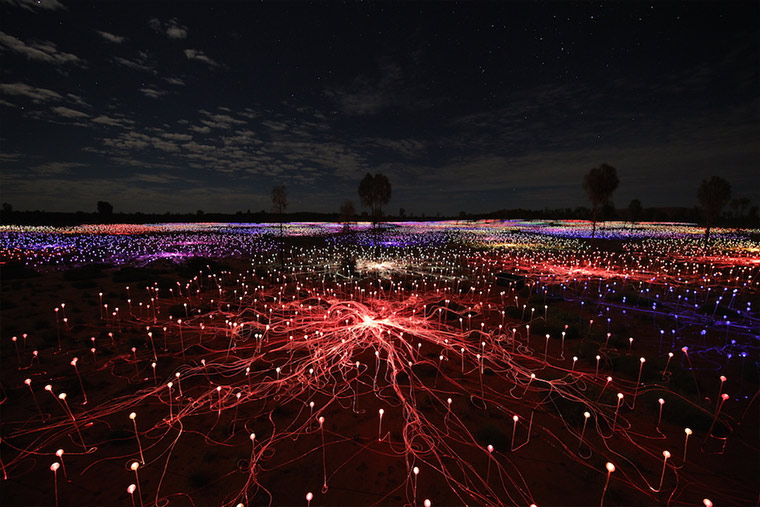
449, 363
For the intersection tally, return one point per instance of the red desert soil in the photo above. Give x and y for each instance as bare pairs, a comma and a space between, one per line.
198, 448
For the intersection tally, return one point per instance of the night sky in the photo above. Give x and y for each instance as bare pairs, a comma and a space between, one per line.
179, 106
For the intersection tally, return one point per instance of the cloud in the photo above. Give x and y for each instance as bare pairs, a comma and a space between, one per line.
220, 121
175, 31
367, 94
154, 178
200, 130
42, 51
408, 148
50, 168
111, 37
76, 99
36, 94
197, 54
176, 137
111, 122
140, 62
175, 81
69, 113
10, 157
36, 5
153, 93
172, 28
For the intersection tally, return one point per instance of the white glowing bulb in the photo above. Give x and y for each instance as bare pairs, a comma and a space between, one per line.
132, 416
610, 467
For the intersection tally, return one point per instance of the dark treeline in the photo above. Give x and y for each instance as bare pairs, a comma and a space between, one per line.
672, 214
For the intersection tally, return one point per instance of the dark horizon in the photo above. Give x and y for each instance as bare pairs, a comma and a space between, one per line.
465, 107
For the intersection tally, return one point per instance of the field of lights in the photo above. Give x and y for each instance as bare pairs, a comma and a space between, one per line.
437, 363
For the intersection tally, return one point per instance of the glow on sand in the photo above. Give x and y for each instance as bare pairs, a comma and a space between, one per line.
408, 376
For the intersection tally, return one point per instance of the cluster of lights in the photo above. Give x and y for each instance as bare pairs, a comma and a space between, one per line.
406, 358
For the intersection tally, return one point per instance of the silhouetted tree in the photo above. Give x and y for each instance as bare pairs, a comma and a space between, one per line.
105, 209
374, 192
635, 210
7, 212
347, 212
712, 195
401, 213
279, 203
599, 184
739, 206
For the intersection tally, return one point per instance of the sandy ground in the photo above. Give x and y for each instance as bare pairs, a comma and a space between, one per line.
203, 457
